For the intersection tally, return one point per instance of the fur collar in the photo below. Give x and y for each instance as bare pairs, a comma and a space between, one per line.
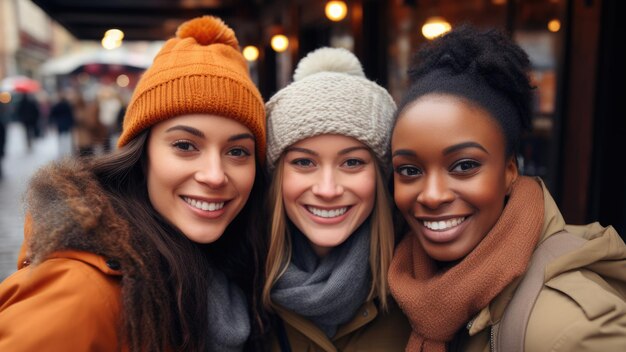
71, 211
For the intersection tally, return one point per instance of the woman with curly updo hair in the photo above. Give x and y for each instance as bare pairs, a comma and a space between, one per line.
488, 262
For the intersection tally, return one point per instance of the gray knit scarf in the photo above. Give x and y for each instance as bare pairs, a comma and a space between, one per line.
229, 322
327, 291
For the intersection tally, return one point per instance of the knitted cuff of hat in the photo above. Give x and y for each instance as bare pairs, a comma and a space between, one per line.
439, 303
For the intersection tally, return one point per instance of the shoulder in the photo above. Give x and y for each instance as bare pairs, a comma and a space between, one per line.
64, 303
577, 311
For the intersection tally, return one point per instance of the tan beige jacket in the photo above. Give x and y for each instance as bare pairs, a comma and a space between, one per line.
577, 310
369, 331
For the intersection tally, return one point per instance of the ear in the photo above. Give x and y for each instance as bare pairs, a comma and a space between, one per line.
510, 173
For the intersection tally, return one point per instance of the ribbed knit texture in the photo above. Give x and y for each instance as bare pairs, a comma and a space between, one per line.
201, 71
330, 95
439, 303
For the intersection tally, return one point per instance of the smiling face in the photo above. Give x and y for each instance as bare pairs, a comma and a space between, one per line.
329, 187
451, 174
201, 169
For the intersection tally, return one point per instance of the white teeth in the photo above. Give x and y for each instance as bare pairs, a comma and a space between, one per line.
323, 213
204, 205
443, 225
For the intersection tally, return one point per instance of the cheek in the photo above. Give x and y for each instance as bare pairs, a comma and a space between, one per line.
158, 179
244, 178
294, 185
403, 196
488, 191
366, 189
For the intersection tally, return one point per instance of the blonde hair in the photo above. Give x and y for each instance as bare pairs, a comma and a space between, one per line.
381, 242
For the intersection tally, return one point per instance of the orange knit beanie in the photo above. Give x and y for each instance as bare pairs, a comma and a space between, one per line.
201, 70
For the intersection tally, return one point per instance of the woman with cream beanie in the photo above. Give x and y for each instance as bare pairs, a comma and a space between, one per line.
331, 234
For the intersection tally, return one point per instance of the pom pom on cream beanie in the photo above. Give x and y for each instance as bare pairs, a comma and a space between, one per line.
329, 95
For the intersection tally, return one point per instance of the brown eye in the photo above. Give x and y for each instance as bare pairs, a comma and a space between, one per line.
408, 170
352, 163
184, 146
238, 152
464, 166
303, 162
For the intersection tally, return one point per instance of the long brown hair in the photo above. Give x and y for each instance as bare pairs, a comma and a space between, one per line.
279, 251
166, 276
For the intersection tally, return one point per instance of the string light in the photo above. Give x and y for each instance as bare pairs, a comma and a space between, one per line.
279, 43
434, 27
336, 10
251, 53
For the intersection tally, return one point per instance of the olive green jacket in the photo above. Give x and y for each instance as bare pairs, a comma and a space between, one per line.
370, 330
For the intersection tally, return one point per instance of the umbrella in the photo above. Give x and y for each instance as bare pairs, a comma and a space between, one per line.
20, 84
95, 60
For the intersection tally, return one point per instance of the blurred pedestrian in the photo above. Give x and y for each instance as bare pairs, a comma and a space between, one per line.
4, 123
109, 106
88, 132
28, 113
62, 116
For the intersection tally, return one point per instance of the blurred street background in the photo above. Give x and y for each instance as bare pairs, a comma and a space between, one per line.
19, 165
68, 68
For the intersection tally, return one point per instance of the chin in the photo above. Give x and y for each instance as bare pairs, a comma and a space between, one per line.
444, 254
204, 237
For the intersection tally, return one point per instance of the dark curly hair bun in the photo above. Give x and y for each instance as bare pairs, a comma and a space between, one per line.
486, 67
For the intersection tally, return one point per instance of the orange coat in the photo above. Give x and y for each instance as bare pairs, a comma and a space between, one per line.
69, 299
69, 302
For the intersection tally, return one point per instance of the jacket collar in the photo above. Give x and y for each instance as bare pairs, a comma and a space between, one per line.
68, 214
365, 314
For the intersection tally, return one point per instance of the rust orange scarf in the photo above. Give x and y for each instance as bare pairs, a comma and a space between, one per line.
439, 303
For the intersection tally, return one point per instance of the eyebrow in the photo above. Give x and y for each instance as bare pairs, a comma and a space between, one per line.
448, 150
309, 151
301, 150
351, 149
241, 136
403, 152
464, 145
196, 132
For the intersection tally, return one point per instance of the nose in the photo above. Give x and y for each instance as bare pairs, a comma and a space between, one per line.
327, 185
211, 171
435, 192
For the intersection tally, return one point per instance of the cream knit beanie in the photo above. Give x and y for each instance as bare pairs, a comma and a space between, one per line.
329, 95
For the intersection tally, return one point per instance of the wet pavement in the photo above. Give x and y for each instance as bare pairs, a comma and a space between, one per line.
17, 167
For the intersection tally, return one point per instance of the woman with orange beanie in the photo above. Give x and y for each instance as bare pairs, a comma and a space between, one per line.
152, 247
488, 263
